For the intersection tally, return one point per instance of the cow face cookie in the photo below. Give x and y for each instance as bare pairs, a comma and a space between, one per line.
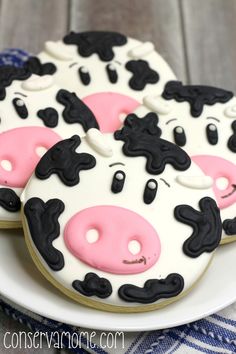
35, 114
109, 71
121, 222
202, 120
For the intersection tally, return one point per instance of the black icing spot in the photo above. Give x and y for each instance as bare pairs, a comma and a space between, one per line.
34, 65
20, 108
93, 285
206, 224
229, 226
8, 74
153, 289
76, 111
63, 160
44, 228
196, 95
98, 42
232, 139
49, 116
9, 200
142, 138
142, 74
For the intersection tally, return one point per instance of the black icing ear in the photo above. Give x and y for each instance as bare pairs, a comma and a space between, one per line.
101, 43
35, 66
153, 289
142, 74
142, 138
44, 228
232, 139
76, 111
8, 74
63, 160
229, 226
196, 95
206, 224
93, 285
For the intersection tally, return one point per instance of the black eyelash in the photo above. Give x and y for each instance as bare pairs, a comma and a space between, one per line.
112, 74
21, 109
180, 137
118, 183
150, 193
212, 134
84, 76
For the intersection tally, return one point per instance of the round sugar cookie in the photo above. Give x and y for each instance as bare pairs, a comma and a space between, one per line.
35, 114
202, 120
109, 71
121, 222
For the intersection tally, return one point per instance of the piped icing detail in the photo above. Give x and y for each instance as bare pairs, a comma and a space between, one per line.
142, 74
93, 285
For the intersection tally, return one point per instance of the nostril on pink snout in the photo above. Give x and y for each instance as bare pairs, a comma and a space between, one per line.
110, 109
223, 173
112, 239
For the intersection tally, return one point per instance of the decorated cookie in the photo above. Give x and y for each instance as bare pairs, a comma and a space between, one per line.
109, 71
202, 120
34, 115
121, 222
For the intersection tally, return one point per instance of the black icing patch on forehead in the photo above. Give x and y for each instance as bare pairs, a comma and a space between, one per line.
8, 74
142, 74
9, 200
93, 285
196, 95
101, 43
206, 224
44, 228
63, 160
153, 289
232, 139
76, 111
35, 66
141, 137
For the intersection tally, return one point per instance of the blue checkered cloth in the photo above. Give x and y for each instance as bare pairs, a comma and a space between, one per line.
214, 334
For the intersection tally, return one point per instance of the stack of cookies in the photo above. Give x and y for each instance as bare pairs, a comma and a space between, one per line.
121, 176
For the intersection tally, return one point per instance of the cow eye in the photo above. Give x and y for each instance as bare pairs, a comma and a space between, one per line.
84, 75
112, 73
20, 108
212, 134
150, 191
118, 182
179, 136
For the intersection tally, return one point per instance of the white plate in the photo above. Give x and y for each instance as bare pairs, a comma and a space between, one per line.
22, 283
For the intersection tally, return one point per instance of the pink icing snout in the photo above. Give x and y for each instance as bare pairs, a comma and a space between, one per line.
20, 151
103, 237
217, 168
108, 108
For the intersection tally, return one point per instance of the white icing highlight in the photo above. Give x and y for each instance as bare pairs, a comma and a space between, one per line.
92, 236
84, 70
20, 103
57, 50
6, 165
179, 130
119, 176
230, 112
157, 104
152, 185
96, 140
196, 182
37, 83
112, 67
212, 127
222, 183
134, 247
141, 50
